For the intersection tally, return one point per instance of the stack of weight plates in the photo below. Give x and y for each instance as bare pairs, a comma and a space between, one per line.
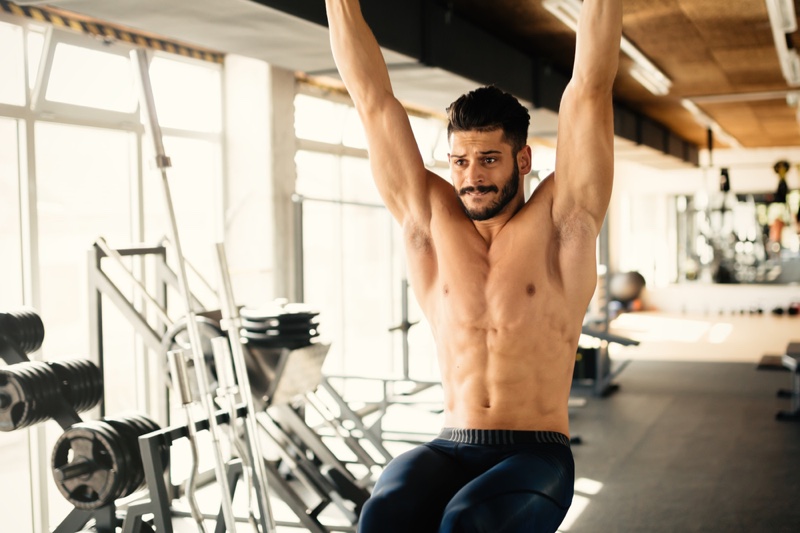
289, 326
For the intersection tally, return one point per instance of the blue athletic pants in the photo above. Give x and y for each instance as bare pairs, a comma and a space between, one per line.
475, 481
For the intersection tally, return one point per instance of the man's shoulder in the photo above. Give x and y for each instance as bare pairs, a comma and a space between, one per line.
544, 190
539, 204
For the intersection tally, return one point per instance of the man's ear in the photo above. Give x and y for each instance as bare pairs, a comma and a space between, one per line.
524, 160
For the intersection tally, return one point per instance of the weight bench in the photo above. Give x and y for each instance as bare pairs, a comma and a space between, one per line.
789, 360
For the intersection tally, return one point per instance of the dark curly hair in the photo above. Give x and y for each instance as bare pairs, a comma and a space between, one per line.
488, 109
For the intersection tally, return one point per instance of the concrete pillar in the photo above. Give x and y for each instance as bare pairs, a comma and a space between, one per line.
260, 177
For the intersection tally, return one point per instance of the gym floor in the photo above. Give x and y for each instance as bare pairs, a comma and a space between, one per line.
690, 441
687, 446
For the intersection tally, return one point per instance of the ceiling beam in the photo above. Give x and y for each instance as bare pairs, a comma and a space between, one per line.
437, 37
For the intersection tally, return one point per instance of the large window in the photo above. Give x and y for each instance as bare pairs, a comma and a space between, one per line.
348, 259
74, 166
12, 90
194, 188
10, 241
352, 248
91, 78
14, 478
83, 178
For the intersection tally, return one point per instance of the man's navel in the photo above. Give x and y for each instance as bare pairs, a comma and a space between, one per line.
530, 289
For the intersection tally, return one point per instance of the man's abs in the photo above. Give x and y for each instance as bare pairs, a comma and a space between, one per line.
520, 382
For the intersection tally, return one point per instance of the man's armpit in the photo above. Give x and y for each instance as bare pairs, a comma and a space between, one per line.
418, 237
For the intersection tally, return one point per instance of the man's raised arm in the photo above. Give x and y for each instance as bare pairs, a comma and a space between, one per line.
396, 163
585, 149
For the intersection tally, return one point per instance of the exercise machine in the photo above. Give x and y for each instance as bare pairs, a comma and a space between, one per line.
789, 360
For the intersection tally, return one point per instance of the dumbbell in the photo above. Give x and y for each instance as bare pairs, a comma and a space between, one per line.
97, 462
34, 391
22, 328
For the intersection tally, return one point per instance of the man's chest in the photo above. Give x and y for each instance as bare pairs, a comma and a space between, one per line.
500, 289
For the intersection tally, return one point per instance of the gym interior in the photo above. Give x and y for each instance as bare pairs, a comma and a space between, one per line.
205, 316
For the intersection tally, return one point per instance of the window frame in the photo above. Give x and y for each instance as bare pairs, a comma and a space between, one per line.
37, 109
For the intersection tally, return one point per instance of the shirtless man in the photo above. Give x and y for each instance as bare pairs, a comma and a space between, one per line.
503, 282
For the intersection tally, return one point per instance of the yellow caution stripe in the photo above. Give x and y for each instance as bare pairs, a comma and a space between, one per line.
106, 31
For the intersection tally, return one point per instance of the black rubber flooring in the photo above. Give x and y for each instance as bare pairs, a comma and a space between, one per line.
689, 447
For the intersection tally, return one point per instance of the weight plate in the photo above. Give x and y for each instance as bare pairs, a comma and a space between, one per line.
14, 407
31, 392
289, 312
124, 456
288, 327
84, 444
256, 336
128, 434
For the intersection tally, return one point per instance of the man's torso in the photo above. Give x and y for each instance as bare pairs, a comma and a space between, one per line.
506, 315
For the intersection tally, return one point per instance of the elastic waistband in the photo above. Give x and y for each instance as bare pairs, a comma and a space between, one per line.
502, 436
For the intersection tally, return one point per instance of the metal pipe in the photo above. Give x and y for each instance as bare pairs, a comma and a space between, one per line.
180, 384
226, 395
406, 324
299, 252
190, 266
232, 324
139, 57
114, 255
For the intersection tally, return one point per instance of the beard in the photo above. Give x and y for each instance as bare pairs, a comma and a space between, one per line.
507, 193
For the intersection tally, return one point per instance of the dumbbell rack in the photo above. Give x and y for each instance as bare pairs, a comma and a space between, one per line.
65, 416
13, 353
159, 495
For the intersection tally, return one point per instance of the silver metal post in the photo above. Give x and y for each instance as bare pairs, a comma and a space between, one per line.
180, 384
139, 58
404, 325
299, 254
226, 394
232, 324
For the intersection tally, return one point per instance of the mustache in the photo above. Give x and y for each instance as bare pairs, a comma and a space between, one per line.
479, 188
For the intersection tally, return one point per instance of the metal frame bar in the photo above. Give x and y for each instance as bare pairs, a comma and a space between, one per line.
375, 433
159, 495
99, 285
238, 368
792, 363
306, 471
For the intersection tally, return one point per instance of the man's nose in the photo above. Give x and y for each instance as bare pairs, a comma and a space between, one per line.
473, 176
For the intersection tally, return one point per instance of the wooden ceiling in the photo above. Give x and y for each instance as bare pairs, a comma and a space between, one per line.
720, 54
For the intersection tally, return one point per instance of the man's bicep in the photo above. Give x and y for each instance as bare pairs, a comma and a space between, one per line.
397, 166
584, 155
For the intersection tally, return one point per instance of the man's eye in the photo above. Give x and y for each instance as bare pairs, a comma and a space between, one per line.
489, 160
